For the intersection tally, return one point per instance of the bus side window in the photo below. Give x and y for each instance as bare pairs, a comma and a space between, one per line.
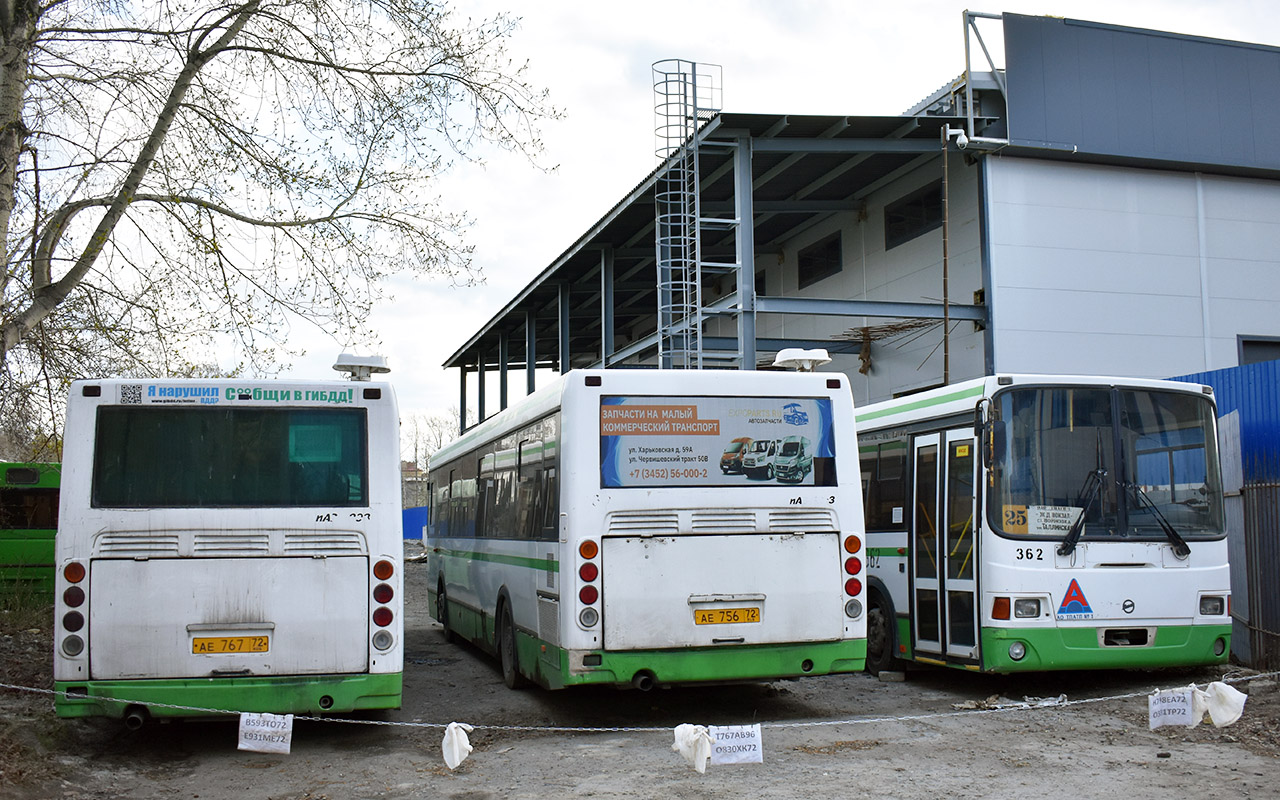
551, 506
885, 477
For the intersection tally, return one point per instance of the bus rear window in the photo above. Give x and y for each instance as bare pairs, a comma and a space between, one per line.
147, 457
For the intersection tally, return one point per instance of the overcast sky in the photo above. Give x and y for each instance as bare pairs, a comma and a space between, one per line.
851, 57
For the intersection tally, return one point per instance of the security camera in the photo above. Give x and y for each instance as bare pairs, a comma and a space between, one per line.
962, 141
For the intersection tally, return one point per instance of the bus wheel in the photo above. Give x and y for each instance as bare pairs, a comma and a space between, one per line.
511, 674
442, 614
880, 655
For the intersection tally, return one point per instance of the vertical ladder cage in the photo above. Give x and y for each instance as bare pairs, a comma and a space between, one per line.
686, 94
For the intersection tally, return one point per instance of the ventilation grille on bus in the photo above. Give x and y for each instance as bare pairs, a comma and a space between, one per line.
236, 543
723, 521
808, 520
136, 544
322, 544
651, 522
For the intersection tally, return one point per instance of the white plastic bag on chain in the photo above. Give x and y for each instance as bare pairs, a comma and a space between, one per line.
456, 746
694, 743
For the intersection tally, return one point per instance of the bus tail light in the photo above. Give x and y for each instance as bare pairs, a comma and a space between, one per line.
74, 597
589, 572
383, 570
852, 544
73, 572
382, 593
853, 565
1000, 608
382, 616
853, 587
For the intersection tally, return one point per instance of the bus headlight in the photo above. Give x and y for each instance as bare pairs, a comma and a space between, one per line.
1219, 646
383, 640
1212, 606
1017, 651
72, 646
1026, 608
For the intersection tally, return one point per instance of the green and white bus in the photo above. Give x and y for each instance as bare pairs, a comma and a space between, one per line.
231, 545
1037, 522
588, 535
28, 524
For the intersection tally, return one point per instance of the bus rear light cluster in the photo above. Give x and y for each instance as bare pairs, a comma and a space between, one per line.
853, 568
589, 573
383, 594
73, 597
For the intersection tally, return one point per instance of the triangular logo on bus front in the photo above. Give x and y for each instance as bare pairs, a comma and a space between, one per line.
1074, 602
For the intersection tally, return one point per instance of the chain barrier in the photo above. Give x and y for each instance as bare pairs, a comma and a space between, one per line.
1026, 705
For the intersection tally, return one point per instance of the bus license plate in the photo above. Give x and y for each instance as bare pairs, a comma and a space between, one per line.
230, 644
722, 616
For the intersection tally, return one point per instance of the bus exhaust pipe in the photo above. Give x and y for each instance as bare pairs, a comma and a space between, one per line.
135, 717
643, 680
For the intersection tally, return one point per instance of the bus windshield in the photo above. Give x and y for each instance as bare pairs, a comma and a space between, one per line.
1126, 460
150, 457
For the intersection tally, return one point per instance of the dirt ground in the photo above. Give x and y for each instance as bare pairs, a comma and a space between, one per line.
841, 736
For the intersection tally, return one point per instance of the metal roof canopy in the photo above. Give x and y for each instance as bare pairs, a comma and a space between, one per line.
804, 169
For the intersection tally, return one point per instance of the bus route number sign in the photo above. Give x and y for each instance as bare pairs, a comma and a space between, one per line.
725, 616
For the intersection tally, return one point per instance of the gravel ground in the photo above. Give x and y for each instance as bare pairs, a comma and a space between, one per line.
813, 746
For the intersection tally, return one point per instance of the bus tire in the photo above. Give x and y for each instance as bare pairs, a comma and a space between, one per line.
442, 614
507, 654
880, 638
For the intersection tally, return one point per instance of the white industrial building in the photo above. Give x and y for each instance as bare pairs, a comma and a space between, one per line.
1109, 203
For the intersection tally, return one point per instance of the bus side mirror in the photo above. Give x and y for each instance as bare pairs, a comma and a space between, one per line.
991, 433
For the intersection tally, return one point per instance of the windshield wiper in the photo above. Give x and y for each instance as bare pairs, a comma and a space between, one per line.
1180, 548
1089, 492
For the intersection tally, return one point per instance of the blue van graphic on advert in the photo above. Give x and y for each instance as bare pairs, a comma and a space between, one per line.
792, 415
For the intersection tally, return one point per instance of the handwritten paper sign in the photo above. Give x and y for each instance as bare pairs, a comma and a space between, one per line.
266, 733
736, 744
1170, 707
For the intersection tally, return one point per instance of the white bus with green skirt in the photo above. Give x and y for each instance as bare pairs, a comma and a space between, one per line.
588, 535
1045, 522
228, 545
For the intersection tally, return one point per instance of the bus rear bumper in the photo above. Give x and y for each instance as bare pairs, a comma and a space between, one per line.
1078, 648
195, 697
716, 664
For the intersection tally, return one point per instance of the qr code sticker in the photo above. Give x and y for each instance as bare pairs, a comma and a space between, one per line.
131, 393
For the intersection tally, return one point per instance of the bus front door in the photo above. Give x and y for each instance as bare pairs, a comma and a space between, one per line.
944, 548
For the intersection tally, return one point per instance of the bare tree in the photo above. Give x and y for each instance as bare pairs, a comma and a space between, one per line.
175, 174
421, 434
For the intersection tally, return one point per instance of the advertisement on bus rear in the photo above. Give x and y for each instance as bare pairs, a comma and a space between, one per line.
715, 441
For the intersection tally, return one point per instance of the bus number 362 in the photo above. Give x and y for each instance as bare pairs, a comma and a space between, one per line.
1029, 554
